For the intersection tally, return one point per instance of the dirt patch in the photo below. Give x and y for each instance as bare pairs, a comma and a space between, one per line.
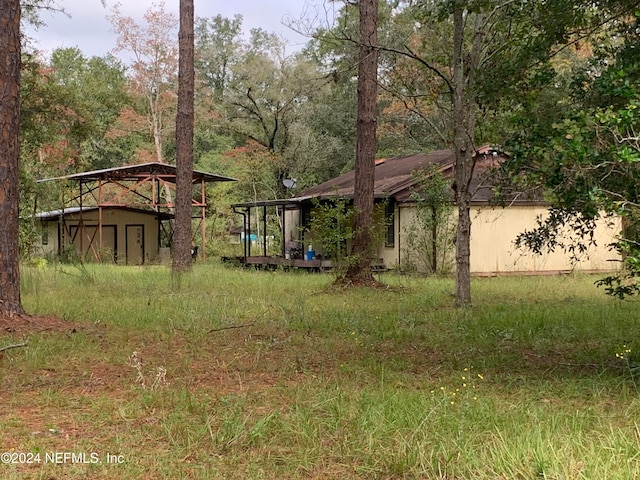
33, 323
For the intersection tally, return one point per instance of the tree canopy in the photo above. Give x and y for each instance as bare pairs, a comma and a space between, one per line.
575, 135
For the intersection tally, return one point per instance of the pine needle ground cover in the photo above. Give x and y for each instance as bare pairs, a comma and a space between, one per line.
237, 374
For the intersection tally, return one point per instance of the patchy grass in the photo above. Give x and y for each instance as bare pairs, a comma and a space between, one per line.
254, 375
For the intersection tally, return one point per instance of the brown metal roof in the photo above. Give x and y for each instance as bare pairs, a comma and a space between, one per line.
135, 172
391, 175
394, 178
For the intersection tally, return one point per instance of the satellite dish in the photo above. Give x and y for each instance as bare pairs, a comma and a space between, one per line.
289, 182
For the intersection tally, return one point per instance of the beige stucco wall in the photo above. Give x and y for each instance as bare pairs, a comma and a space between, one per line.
492, 251
494, 230
392, 256
48, 243
120, 219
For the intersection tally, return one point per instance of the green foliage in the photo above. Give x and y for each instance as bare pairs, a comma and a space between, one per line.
429, 238
259, 94
28, 239
583, 151
89, 94
218, 41
332, 230
627, 282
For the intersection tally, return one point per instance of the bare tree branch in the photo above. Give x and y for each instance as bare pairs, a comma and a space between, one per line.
409, 53
15, 345
230, 327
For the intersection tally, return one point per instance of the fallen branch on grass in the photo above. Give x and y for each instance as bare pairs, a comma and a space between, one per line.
15, 345
244, 325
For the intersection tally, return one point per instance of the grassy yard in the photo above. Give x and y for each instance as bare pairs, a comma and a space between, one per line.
253, 375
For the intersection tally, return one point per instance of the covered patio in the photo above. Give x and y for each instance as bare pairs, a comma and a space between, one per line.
296, 250
293, 251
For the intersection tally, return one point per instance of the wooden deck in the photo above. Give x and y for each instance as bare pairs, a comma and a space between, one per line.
287, 263
273, 263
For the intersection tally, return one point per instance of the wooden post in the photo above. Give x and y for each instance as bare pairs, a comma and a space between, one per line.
204, 218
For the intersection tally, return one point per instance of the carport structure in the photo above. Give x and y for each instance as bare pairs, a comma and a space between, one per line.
146, 186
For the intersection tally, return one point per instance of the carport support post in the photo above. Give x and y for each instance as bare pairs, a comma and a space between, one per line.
247, 237
81, 223
284, 233
203, 228
100, 214
245, 229
264, 230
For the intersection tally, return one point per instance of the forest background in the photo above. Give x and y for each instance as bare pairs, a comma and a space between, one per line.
265, 113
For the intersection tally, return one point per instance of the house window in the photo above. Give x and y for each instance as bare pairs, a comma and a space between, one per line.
390, 219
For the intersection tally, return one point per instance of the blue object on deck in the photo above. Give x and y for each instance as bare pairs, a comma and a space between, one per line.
311, 254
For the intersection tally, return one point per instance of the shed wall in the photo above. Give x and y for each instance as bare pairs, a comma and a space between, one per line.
58, 241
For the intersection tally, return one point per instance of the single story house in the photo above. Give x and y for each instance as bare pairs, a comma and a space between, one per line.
494, 227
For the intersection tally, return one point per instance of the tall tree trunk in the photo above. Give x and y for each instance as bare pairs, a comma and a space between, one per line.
184, 141
463, 125
465, 67
9, 155
156, 127
360, 271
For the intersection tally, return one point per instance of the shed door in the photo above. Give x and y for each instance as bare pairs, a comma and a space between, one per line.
89, 237
109, 250
135, 244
